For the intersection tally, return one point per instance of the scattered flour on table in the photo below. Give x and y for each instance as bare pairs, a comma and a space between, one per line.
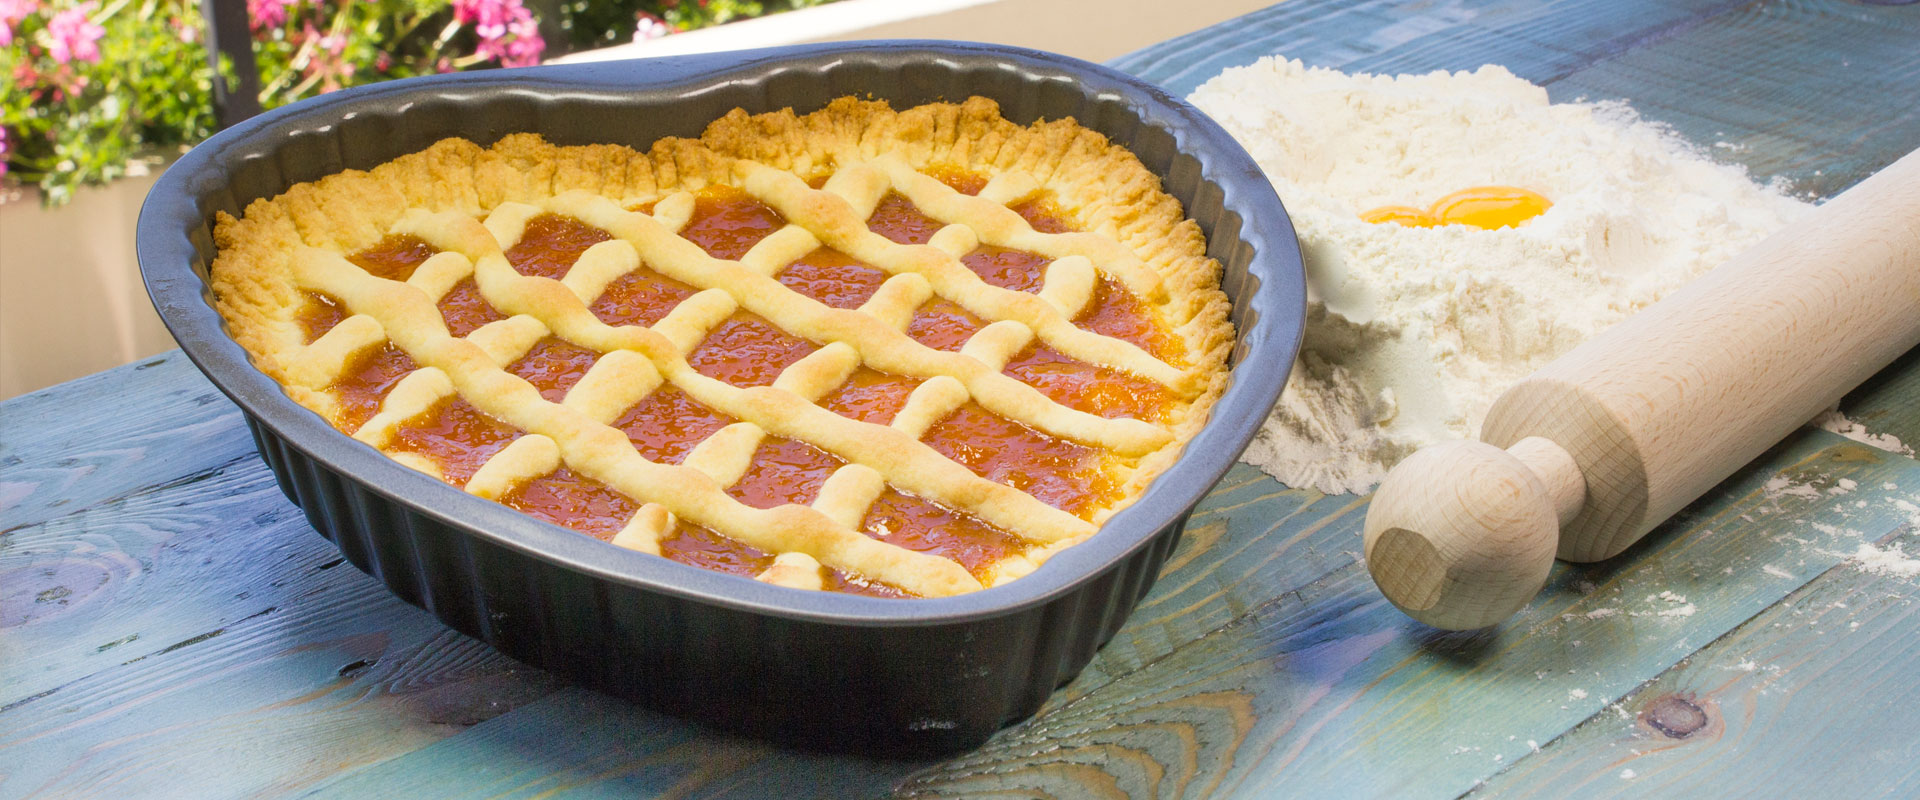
1833, 420
1412, 332
1889, 561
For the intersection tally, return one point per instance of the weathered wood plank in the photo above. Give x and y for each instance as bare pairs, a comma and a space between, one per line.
1250, 541
1266, 550
1330, 692
1820, 92
204, 625
110, 434
1539, 41
1826, 678
584, 744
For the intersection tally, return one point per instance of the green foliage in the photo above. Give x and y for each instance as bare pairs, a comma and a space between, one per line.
599, 23
81, 121
92, 86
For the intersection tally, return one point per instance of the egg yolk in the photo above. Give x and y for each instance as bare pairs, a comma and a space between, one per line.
1488, 207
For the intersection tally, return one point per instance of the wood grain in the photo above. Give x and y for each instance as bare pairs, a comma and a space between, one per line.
1330, 692
1261, 661
1824, 677
57, 457
176, 630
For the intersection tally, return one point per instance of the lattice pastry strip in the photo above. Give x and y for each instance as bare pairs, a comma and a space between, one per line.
568, 430
536, 455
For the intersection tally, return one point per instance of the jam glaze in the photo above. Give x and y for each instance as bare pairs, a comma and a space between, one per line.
668, 423
454, 435
897, 218
359, 390
318, 314
870, 396
747, 350
943, 325
465, 310
910, 522
784, 471
1066, 475
553, 365
727, 222
550, 245
640, 297
394, 258
832, 277
700, 547
571, 500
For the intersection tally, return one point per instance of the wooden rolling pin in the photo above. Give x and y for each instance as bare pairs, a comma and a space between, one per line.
1612, 438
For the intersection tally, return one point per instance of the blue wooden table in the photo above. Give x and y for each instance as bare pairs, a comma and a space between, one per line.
169, 625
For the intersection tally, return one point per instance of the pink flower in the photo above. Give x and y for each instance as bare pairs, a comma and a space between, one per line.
73, 37
6, 149
507, 30
268, 13
650, 27
11, 13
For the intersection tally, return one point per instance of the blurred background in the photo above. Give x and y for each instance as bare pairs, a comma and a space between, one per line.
100, 96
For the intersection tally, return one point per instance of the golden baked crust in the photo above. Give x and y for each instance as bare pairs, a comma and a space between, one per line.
471, 204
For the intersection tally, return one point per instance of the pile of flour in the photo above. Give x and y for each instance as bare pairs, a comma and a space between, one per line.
1412, 332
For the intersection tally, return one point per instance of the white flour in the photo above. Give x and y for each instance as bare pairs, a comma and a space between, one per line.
1412, 332
1833, 420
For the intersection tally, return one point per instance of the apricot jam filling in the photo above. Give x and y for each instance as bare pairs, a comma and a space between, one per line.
1091, 388
465, 310
641, 297
897, 218
727, 222
1066, 475
870, 396
1043, 215
667, 423
746, 350
1018, 270
832, 277
915, 524
553, 365
318, 315
359, 391
784, 471
394, 258
1117, 312
943, 325
960, 180
571, 500
700, 547
550, 245
454, 435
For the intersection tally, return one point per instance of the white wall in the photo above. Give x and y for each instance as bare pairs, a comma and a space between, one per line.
71, 301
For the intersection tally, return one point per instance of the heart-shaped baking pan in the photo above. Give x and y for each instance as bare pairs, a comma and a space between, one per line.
817, 668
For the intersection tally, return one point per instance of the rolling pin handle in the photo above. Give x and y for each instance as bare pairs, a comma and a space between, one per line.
1555, 467
1462, 534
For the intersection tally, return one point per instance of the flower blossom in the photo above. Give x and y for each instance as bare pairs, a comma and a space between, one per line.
650, 27
268, 13
6, 149
73, 37
507, 30
11, 13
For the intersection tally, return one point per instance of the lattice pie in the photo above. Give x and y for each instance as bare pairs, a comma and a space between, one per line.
892, 353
